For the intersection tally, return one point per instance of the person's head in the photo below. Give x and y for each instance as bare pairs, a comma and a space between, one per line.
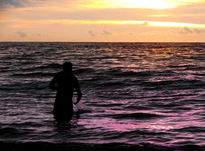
67, 67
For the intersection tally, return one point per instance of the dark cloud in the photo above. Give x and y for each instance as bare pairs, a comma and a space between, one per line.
17, 3
105, 32
14, 3
91, 33
198, 31
21, 34
187, 30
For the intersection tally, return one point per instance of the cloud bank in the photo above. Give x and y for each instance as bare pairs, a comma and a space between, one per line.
13, 3
4, 4
187, 30
76, 20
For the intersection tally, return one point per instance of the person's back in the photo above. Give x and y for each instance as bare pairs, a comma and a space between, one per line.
65, 83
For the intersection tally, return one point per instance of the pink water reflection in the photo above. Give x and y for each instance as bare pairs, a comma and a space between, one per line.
108, 124
173, 123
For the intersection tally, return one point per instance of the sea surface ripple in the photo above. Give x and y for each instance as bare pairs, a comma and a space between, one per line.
132, 93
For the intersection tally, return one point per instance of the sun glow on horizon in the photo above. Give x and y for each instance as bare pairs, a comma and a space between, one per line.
27, 24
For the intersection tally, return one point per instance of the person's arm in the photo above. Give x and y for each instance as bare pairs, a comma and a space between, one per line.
53, 84
79, 94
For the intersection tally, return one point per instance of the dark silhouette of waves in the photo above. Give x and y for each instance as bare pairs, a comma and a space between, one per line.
133, 93
41, 146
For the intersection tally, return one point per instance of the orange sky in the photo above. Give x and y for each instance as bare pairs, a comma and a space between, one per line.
103, 20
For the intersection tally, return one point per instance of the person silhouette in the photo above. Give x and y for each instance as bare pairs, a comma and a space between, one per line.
65, 83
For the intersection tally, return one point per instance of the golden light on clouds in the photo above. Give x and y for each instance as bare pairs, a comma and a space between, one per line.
31, 23
130, 22
157, 4
103, 20
175, 24
151, 4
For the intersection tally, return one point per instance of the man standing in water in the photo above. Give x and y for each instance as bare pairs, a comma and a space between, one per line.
65, 83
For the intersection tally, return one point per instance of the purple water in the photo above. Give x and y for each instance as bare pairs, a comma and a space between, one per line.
133, 93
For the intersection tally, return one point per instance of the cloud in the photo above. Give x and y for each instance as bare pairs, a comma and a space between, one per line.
21, 34
70, 9
198, 31
105, 32
14, 3
193, 13
91, 33
187, 30
18, 3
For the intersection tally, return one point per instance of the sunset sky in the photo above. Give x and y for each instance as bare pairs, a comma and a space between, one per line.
103, 20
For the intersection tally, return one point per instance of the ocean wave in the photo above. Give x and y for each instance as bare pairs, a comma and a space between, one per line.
173, 84
82, 71
9, 132
135, 74
140, 83
25, 86
192, 129
135, 116
33, 74
43, 146
112, 84
50, 66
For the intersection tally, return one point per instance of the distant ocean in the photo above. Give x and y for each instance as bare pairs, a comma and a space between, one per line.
135, 96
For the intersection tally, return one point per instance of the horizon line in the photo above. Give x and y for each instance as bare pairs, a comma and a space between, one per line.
102, 41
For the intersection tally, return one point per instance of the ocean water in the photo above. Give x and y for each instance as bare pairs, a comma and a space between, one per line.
133, 93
